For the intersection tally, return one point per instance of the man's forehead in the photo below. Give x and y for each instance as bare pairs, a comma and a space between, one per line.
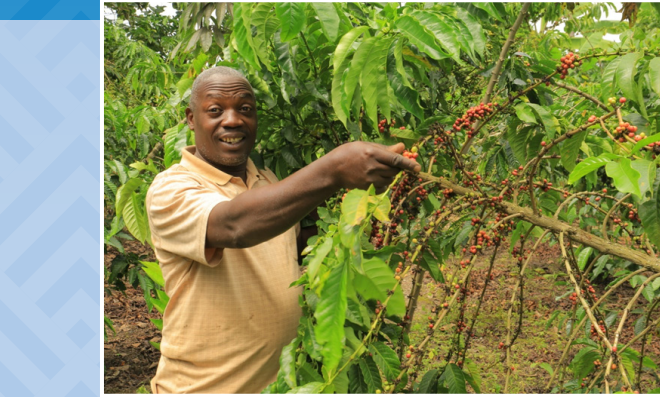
222, 85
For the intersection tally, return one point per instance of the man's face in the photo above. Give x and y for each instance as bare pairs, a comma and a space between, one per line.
224, 121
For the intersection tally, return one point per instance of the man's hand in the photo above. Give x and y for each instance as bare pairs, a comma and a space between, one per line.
360, 164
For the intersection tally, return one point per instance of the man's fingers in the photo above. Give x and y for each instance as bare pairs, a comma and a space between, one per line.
398, 148
398, 161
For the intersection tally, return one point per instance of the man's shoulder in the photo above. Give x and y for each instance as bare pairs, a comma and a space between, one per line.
176, 172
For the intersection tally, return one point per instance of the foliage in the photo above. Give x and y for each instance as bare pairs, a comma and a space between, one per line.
557, 136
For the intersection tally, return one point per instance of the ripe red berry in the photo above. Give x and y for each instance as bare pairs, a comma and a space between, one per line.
622, 100
543, 143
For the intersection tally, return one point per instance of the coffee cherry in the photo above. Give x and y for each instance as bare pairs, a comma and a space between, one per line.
622, 100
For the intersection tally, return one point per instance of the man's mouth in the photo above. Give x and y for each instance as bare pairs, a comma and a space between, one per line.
232, 140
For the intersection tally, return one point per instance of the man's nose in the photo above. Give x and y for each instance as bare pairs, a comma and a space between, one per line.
232, 119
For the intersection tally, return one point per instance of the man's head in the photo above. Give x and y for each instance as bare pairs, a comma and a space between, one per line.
223, 114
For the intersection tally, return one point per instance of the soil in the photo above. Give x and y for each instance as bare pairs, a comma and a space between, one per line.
131, 361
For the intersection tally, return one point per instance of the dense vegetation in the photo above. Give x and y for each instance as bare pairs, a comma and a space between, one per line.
526, 134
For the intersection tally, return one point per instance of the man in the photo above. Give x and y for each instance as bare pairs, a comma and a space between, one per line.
224, 234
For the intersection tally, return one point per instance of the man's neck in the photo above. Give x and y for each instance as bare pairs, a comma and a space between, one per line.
238, 171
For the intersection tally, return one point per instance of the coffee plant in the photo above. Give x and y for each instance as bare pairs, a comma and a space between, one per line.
526, 135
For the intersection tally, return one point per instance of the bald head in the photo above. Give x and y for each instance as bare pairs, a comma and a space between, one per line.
207, 75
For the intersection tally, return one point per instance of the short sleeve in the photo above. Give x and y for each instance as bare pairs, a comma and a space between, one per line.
178, 208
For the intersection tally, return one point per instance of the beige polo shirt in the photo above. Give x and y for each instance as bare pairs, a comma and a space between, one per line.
231, 310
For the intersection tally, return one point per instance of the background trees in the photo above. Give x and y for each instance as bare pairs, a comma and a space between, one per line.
528, 136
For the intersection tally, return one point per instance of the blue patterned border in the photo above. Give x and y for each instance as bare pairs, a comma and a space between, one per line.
50, 150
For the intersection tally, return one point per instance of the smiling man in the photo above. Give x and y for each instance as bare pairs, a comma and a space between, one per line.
224, 233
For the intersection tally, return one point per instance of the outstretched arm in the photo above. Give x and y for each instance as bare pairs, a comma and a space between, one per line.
258, 215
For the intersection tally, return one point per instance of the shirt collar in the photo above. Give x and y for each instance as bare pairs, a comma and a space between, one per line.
201, 167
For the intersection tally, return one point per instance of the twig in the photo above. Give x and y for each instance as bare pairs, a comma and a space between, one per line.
500, 61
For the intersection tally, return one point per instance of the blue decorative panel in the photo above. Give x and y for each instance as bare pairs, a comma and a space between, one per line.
50, 234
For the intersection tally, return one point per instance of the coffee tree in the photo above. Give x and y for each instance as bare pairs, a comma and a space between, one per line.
526, 135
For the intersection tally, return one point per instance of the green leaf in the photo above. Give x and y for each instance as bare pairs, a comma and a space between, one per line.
646, 171
339, 96
381, 207
525, 113
583, 362
430, 264
649, 139
429, 383
356, 383
124, 194
443, 32
649, 213
397, 51
329, 18
373, 71
454, 379
345, 45
308, 374
406, 134
406, 96
318, 255
292, 19
570, 150
583, 257
243, 34
549, 121
309, 388
472, 375
478, 37
157, 322
154, 272
654, 75
288, 363
375, 283
370, 374
420, 36
135, 218
357, 65
354, 206
625, 75
386, 359
330, 315
588, 165
625, 178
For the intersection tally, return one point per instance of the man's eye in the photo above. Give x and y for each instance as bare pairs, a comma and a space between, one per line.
214, 110
246, 108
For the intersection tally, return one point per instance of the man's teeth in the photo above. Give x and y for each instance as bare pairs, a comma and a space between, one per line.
231, 140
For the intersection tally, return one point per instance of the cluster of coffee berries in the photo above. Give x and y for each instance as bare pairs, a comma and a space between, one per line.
412, 154
591, 290
475, 177
501, 346
377, 233
379, 307
411, 349
545, 186
568, 61
594, 333
515, 171
597, 363
474, 113
382, 125
448, 192
632, 214
573, 298
626, 130
460, 326
398, 271
612, 100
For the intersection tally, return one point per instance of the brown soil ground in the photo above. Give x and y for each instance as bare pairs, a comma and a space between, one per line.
130, 361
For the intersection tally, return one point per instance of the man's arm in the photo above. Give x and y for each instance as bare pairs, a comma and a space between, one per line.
258, 215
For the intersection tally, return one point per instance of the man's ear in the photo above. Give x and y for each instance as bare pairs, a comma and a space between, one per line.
190, 119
